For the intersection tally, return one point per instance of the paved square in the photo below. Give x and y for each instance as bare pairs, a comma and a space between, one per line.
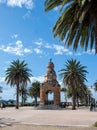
28, 115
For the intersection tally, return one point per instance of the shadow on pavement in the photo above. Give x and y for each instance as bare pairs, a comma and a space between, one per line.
7, 122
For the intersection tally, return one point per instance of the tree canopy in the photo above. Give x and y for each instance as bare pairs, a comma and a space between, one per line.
77, 24
34, 91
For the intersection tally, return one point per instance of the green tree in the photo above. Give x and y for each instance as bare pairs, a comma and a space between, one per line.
95, 86
0, 90
82, 94
16, 75
73, 75
64, 90
88, 95
23, 93
34, 91
77, 23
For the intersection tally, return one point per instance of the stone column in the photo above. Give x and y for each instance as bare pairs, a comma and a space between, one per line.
42, 95
57, 96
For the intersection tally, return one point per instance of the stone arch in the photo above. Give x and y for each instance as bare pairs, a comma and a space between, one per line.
44, 96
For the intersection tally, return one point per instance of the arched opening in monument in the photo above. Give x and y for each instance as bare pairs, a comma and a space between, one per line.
49, 97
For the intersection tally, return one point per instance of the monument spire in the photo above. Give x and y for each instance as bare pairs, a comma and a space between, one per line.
50, 75
50, 59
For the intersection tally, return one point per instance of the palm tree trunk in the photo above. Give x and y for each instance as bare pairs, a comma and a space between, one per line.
35, 101
86, 100
77, 100
73, 99
22, 99
73, 102
17, 97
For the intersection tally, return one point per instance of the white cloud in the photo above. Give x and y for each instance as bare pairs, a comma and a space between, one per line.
19, 44
2, 1
37, 51
2, 79
8, 93
38, 78
90, 52
27, 15
26, 50
19, 3
14, 36
59, 49
38, 47
39, 42
7, 62
18, 49
56, 8
78, 54
69, 53
48, 46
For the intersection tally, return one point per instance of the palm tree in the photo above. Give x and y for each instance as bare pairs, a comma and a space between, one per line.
82, 94
95, 86
73, 75
0, 90
34, 91
64, 90
77, 23
17, 74
23, 93
88, 96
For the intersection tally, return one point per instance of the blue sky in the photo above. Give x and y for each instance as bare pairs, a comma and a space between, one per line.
26, 34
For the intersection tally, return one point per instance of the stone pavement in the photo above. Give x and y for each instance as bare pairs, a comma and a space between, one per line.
28, 115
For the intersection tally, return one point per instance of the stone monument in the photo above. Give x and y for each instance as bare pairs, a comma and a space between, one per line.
51, 85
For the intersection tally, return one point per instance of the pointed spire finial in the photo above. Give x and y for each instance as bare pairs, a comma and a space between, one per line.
50, 59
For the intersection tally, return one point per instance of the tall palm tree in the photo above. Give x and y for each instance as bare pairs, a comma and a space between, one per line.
95, 86
17, 74
64, 90
73, 75
0, 90
23, 93
82, 94
88, 95
34, 91
77, 23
